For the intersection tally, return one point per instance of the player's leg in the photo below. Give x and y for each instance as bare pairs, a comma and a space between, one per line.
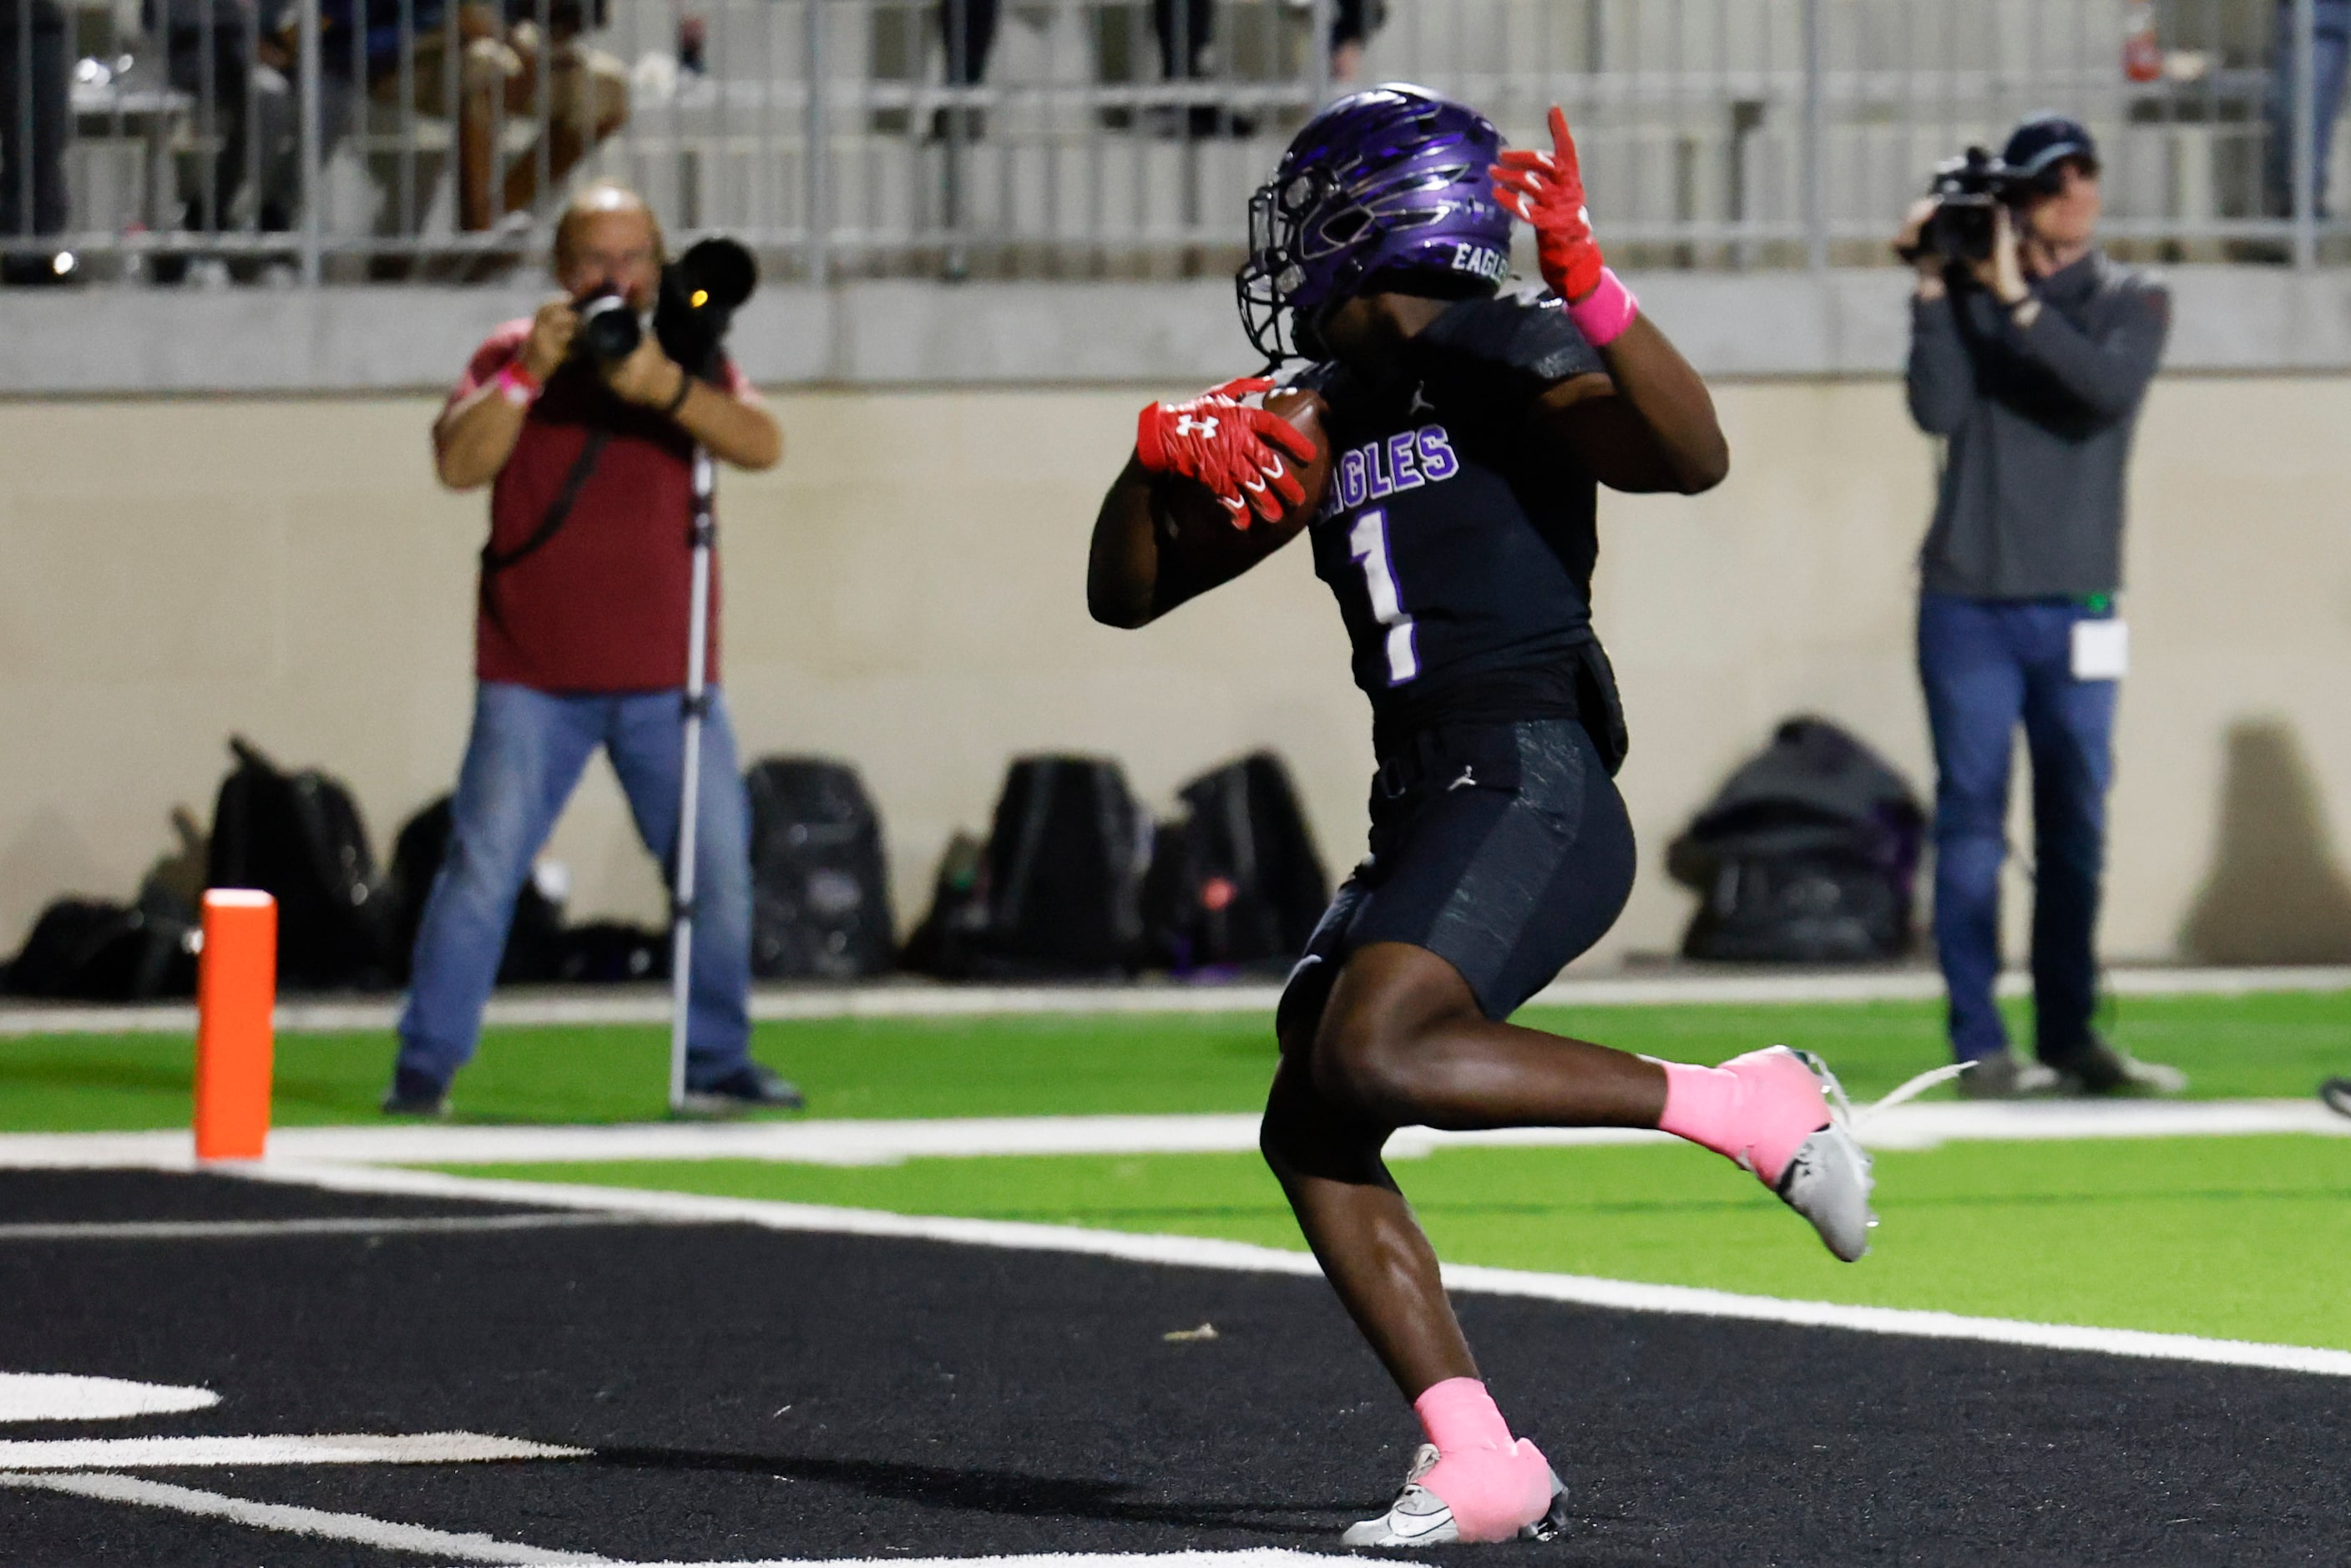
1474, 1481
1492, 867
1975, 695
523, 759
1404, 1042
1512, 855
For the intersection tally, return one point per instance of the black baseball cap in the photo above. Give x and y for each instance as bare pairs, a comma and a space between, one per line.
2042, 141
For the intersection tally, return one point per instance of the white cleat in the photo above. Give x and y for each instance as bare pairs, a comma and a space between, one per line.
1419, 1517
1827, 1179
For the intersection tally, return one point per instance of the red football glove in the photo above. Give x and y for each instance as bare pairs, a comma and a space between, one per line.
1222, 443
1546, 189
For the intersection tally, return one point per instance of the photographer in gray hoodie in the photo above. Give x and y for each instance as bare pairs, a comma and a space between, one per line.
2031, 363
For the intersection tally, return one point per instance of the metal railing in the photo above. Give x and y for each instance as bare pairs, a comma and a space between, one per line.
343, 139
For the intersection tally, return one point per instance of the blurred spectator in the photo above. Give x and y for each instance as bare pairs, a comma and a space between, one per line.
1187, 32
2031, 363
211, 51
586, 99
505, 63
33, 97
1353, 22
580, 645
2330, 51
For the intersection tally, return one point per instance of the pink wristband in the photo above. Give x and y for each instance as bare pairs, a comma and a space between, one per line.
1604, 314
517, 385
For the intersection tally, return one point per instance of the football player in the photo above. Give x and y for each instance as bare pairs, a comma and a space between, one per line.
1470, 426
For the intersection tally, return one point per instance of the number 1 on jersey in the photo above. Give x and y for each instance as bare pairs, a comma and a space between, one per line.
1367, 542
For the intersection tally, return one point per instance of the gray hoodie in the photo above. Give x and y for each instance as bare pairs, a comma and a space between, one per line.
2038, 422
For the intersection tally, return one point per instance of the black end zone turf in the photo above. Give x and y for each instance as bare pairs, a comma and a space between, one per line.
114, 1196
755, 1394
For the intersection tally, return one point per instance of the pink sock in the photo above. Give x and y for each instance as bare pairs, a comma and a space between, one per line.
1758, 1108
1494, 1486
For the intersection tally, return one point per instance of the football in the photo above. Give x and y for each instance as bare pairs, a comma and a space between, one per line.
1195, 520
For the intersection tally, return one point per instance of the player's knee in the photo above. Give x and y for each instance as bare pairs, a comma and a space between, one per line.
1304, 1135
1370, 1063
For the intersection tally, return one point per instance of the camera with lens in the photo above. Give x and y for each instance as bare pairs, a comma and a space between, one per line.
699, 294
1969, 191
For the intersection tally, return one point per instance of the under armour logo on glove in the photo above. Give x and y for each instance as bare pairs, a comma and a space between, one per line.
1223, 443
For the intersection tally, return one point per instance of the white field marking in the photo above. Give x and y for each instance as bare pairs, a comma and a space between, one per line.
1202, 1252
1916, 1125
1253, 1557
334, 1448
63, 1397
908, 998
313, 1521
241, 1230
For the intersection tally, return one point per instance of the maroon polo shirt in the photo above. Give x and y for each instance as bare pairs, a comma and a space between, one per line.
602, 605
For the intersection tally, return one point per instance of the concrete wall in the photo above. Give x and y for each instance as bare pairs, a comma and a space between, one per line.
904, 592
1843, 322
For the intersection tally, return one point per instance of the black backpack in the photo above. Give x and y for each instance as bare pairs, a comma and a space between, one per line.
1805, 856
820, 886
1236, 882
95, 950
534, 940
300, 838
1061, 879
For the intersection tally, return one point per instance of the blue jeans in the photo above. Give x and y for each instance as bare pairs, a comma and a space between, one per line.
2330, 52
1987, 664
524, 758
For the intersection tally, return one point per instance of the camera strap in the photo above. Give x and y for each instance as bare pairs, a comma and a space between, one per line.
558, 512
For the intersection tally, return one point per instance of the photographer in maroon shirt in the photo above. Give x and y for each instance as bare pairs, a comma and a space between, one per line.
580, 642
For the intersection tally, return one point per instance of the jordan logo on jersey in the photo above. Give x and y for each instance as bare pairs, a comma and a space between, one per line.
1404, 461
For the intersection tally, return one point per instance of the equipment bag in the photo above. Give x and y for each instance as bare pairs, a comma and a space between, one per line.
1066, 858
1236, 882
820, 886
94, 950
535, 941
1059, 888
1805, 856
298, 837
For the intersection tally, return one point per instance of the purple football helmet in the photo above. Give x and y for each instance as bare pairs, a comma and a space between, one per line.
1391, 180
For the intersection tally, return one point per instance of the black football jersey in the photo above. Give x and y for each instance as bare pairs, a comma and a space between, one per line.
1460, 547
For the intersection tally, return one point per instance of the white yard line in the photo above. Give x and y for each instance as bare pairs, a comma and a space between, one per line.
903, 998
339, 1448
1199, 1252
1916, 1125
255, 1229
314, 1522
68, 1396
1254, 1557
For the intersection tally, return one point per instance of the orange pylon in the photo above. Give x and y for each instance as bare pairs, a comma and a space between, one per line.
237, 986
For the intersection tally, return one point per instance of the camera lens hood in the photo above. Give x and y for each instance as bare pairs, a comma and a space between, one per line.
609, 327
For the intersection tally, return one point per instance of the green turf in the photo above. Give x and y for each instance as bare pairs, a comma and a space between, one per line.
2264, 1045
2234, 1238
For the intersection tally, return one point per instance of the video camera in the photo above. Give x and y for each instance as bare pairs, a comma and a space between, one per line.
1967, 191
699, 294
